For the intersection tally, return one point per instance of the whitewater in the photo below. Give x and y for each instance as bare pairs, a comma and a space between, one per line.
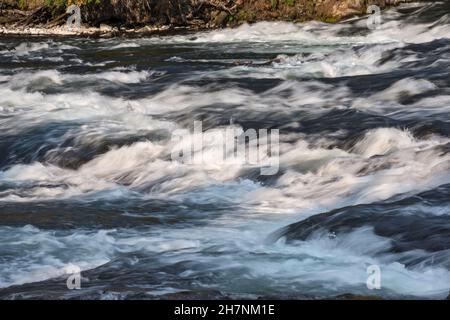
87, 179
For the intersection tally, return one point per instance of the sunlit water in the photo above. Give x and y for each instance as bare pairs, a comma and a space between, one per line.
86, 177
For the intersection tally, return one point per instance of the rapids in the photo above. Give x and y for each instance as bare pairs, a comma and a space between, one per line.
87, 179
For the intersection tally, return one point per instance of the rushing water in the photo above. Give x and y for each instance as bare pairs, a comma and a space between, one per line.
87, 180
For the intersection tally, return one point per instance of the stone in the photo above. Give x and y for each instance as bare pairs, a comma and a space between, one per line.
105, 28
220, 19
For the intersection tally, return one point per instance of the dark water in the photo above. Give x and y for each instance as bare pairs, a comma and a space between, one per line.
87, 181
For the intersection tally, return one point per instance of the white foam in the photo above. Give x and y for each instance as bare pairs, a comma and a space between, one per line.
321, 180
46, 254
125, 45
316, 33
24, 79
388, 101
383, 141
406, 86
25, 48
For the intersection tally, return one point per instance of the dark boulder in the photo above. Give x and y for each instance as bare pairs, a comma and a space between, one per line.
410, 224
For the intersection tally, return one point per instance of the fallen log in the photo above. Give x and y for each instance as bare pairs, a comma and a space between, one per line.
61, 19
36, 17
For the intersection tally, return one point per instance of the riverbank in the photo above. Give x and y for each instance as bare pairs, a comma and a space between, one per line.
117, 17
101, 31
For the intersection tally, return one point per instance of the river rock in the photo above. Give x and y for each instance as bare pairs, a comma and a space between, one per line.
220, 19
105, 28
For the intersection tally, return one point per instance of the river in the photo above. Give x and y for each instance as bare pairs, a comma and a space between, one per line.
89, 186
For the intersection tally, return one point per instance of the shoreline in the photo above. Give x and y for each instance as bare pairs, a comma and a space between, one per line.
96, 32
17, 22
13, 27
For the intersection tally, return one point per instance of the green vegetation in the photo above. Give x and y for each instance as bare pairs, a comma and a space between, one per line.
274, 4
329, 19
22, 4
289, 2
189, 12
66, 3
27, 4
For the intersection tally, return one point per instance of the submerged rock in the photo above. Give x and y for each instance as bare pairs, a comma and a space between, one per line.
220, 19
422, 238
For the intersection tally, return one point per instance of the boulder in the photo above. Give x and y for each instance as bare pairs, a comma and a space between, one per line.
219, 19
